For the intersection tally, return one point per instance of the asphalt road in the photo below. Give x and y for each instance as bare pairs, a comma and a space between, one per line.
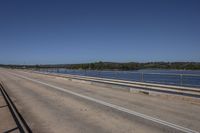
52, 104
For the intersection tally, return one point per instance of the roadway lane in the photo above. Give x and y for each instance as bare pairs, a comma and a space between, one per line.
49, 110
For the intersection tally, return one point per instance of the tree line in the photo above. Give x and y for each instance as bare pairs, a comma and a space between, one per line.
116, 66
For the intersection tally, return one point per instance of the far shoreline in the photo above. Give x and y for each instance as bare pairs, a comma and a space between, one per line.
114, 66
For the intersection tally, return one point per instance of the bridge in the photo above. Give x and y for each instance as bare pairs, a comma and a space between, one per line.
34, 101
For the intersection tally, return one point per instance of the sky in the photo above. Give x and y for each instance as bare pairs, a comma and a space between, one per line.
65, 32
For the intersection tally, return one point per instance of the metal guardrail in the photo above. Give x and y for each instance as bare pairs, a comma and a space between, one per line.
132, 85
189, 80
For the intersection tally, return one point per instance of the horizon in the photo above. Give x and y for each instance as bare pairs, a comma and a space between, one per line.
99, 62
67, 32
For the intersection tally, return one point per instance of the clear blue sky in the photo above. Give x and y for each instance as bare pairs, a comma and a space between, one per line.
50, 32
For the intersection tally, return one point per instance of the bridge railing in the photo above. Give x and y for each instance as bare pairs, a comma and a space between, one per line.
190, 80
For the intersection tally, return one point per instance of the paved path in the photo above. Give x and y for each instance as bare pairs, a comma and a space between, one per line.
52, 104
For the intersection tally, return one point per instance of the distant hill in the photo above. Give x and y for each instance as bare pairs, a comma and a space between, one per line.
116, 66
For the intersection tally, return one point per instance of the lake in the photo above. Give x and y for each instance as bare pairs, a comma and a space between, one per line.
190, 78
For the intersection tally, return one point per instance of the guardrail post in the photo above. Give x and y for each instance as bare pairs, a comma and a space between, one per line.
142, 77
181, 79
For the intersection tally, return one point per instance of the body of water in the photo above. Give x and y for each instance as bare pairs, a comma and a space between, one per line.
189, 78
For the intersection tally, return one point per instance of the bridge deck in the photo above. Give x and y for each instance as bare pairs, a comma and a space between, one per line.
52, 104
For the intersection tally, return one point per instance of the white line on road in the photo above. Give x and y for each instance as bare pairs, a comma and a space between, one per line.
162, 122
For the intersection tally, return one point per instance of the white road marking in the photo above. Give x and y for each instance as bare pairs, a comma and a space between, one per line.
162, 122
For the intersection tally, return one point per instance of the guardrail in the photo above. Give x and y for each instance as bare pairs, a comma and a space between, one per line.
189, 80
133, 85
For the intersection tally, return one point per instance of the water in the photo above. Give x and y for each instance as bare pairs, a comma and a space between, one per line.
189, 78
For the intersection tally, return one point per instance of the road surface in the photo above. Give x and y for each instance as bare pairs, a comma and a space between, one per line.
52, 104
